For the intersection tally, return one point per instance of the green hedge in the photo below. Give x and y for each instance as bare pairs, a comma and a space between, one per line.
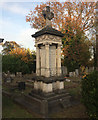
89, 94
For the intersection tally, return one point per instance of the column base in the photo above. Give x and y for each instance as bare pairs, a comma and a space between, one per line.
47, 72
38, 73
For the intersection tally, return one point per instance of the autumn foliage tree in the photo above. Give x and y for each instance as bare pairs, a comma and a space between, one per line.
75, 49
81, 12
27, 56
75, 20
16, 58
8, 46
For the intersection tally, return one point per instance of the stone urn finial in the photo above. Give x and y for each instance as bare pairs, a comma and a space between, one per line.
48, 15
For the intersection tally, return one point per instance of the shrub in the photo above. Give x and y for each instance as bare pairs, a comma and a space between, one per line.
89, 94
14, 64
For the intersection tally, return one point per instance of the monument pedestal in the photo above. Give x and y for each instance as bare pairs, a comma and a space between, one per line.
48, 98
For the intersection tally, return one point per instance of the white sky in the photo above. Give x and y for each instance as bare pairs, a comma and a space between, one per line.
13, 25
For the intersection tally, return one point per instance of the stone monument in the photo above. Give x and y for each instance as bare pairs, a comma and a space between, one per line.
48, 95
49, 84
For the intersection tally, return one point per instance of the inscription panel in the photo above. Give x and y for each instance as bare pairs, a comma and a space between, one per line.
42, 57
52, 60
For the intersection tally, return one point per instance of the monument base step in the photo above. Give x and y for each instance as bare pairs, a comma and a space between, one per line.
45, 105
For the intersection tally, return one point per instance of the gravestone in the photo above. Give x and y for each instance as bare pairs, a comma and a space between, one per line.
70, 74
12, 75
64, 70
77, 72
7, 78
19, 74
86, 70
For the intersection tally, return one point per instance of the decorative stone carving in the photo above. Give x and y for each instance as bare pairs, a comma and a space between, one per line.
48, 38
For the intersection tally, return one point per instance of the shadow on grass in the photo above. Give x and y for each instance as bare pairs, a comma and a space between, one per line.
12, 110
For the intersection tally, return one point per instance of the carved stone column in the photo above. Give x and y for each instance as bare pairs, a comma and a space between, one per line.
37, 61
59, 60
47, 60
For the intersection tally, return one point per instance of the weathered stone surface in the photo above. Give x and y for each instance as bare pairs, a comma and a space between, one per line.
48, 55
47, 87
64, 70
38, 61
52, 60
59, 85
77, 72
48, 38
42, 59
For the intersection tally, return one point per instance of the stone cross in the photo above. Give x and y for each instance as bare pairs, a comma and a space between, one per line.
48, 15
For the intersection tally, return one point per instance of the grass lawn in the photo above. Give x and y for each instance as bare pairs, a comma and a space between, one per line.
12, 110
77, 111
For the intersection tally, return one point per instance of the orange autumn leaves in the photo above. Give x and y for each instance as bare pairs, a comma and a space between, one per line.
25, 54
82, 13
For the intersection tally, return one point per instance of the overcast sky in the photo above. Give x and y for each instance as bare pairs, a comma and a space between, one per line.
13, 25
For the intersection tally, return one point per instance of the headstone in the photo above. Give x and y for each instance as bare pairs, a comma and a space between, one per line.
19, 74
67, 80
8, 73
21, 85
8, 79
70, 74
86, 70
77, 72
74, 74
64, 70
12, 75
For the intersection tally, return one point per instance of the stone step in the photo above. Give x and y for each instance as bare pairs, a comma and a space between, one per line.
27, 105
49, 97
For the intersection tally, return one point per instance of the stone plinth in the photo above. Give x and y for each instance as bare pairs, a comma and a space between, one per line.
47, 85
59, 85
